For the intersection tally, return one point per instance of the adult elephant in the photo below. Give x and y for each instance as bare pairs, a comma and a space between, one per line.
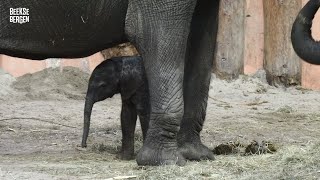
303, 43
175, 38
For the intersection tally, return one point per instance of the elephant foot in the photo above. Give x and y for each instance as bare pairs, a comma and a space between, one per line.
159, 156
126, 155
195, 151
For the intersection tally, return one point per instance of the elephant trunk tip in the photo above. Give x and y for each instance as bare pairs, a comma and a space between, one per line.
83, 145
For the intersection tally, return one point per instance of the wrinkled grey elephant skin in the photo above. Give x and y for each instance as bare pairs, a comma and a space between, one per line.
175, 38
124, 75
304, 45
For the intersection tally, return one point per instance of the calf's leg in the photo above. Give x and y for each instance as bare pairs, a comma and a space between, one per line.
128, 124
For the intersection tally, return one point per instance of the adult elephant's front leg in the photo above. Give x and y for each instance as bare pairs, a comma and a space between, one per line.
200, 55
160, 29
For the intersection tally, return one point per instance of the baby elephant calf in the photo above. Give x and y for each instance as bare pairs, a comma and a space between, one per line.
124, 75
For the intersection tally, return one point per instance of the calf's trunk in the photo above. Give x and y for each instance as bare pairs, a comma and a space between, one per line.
87, 115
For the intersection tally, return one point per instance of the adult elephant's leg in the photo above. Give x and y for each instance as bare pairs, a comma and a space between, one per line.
160, 29
200, 53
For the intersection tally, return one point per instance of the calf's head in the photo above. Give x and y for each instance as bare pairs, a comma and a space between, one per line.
104, 81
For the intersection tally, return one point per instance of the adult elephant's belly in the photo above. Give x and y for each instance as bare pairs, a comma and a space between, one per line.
60, 28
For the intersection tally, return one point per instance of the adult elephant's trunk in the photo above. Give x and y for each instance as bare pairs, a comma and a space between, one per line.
303, 43
87, 115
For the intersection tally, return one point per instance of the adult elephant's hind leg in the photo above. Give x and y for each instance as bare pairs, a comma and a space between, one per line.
199, 60
160, 29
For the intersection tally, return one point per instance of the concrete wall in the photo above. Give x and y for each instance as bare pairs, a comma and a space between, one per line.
253, 55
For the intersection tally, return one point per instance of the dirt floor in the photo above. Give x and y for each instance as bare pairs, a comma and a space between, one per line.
41, 118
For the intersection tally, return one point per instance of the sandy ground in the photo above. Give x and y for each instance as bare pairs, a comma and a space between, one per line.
41, 119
